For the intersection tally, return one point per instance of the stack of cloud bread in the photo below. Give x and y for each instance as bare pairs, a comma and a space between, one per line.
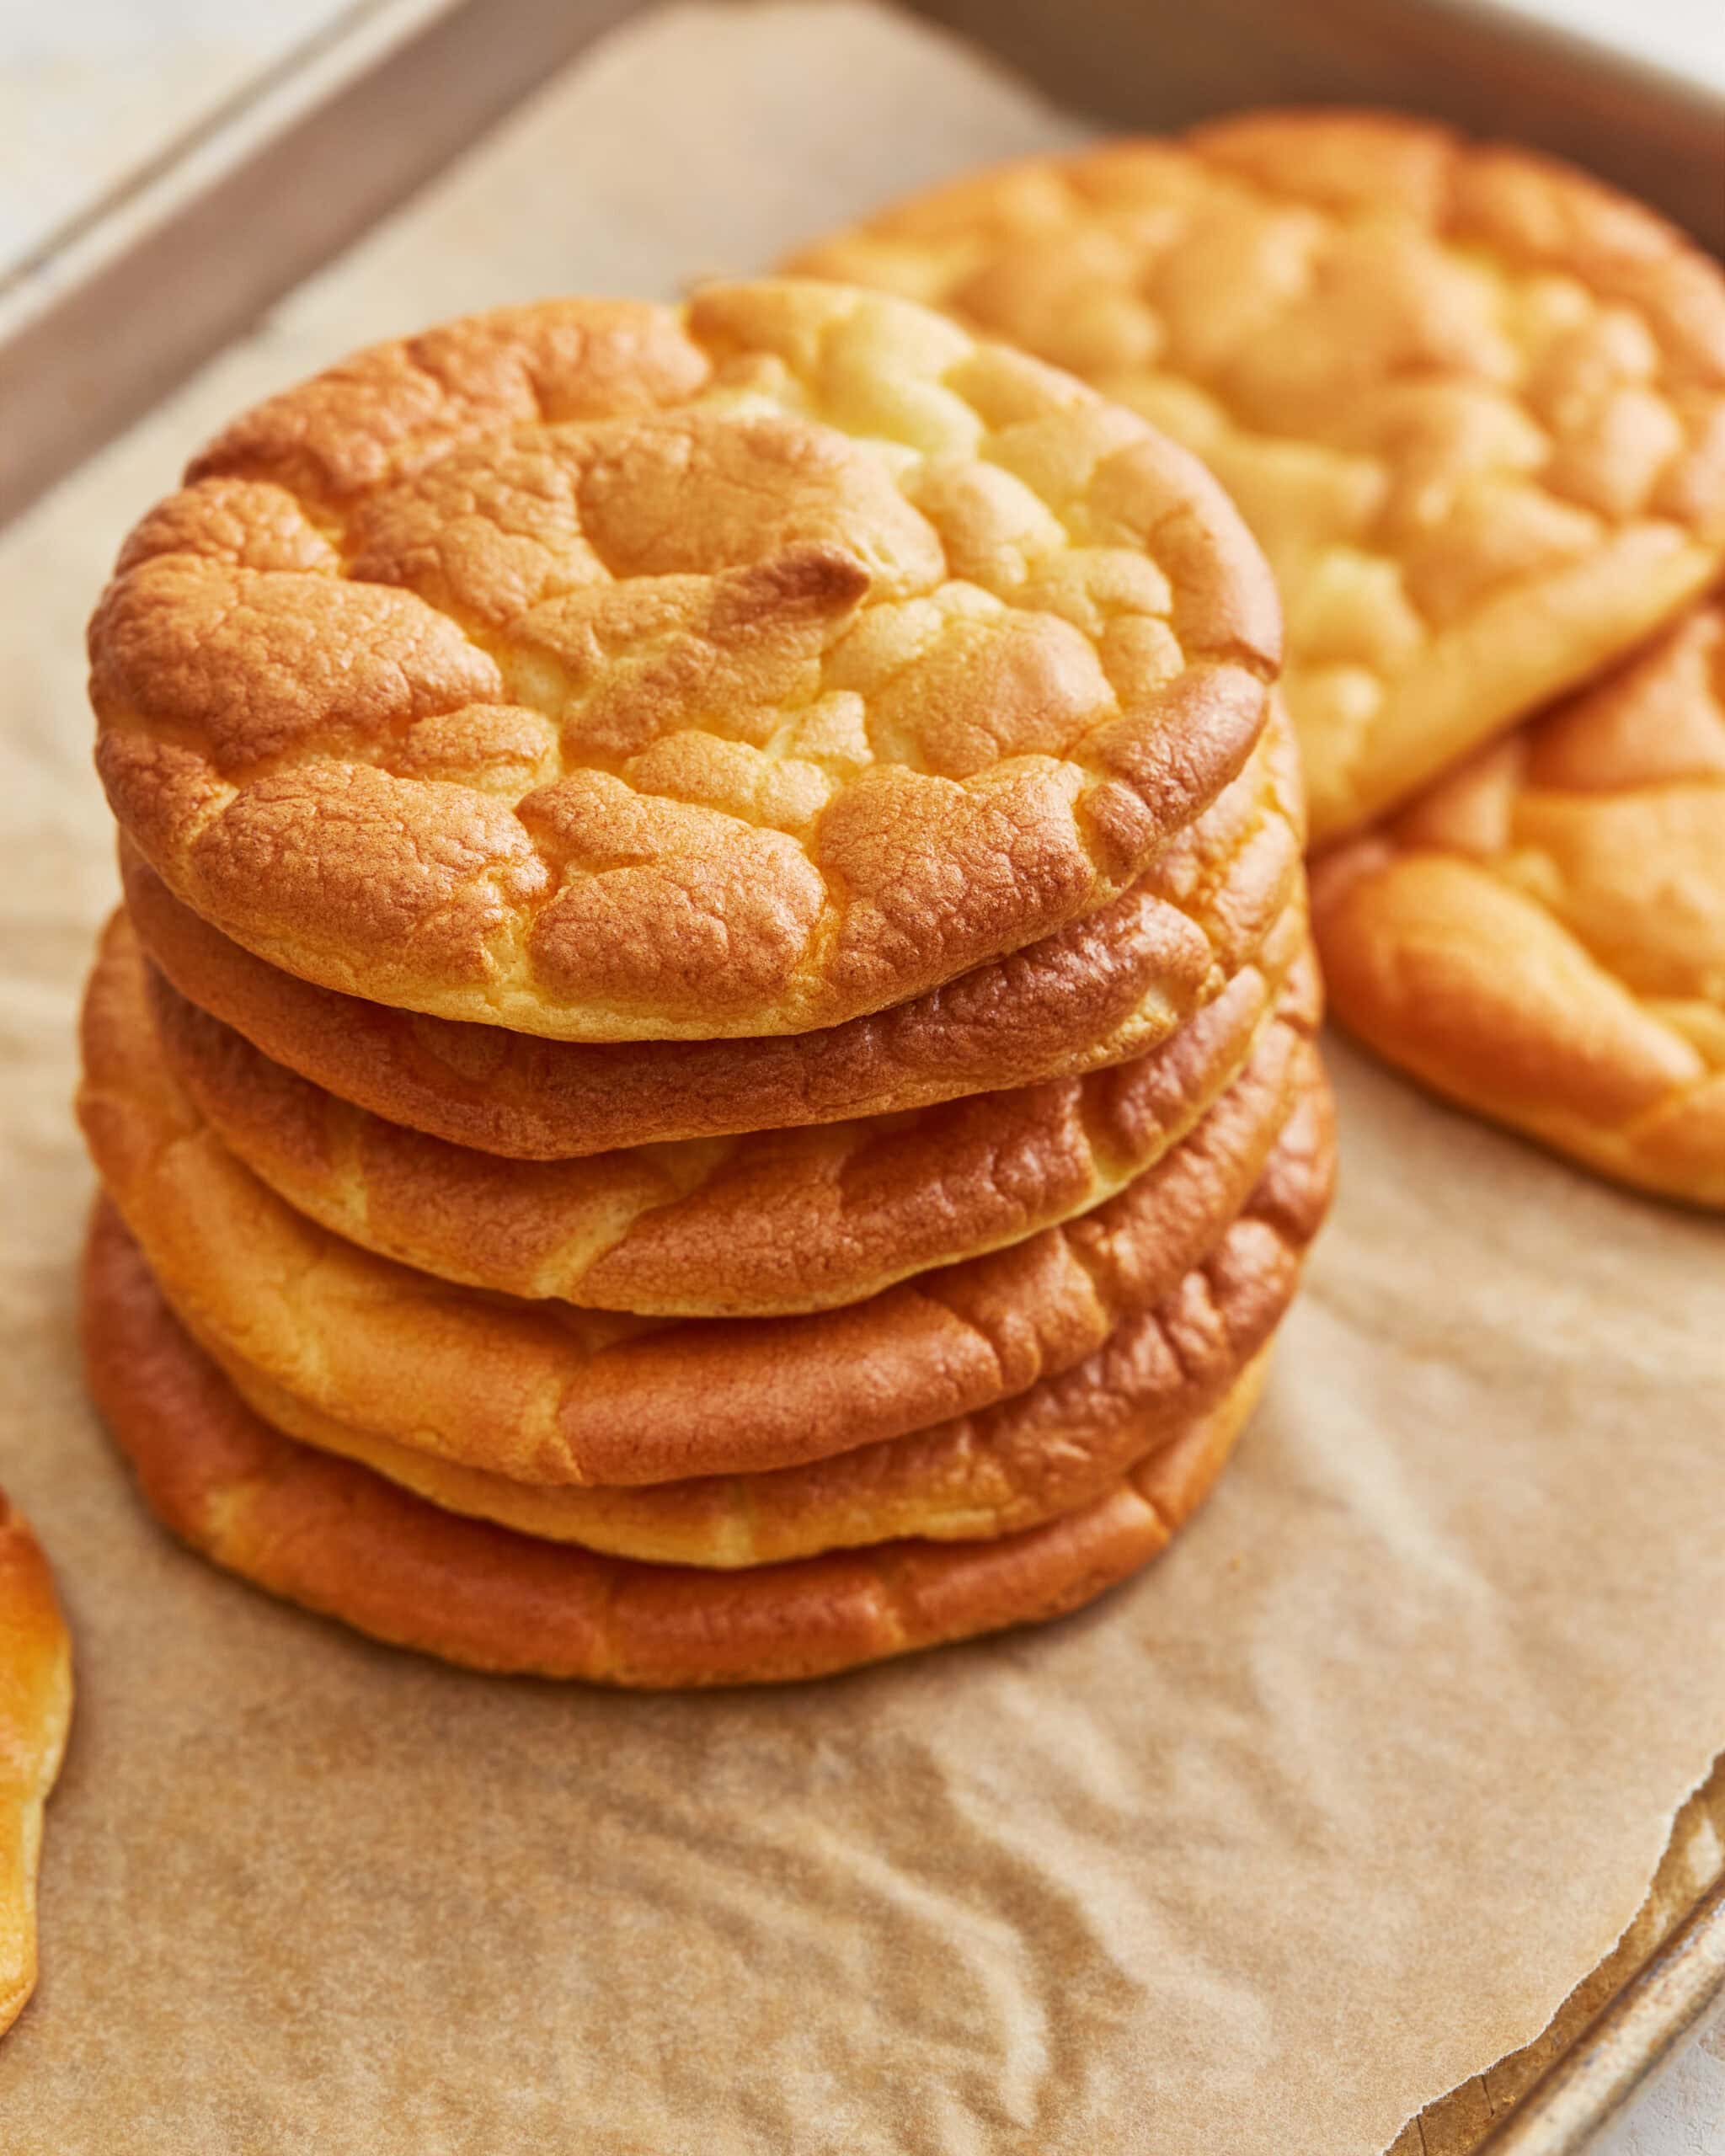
707, 1071
1472, 403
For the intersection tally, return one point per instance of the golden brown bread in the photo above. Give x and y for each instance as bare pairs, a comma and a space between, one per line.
35, 1708
1472, 402
750, 1226
1062, 1444
547, 1392
328, 1534
1107, 987
1541, 936
611, 671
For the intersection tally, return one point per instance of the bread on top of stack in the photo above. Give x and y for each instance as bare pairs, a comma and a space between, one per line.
1472, 403
707, 1071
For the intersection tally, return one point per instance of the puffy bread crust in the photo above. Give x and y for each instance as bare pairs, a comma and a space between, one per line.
337, 1539
1472, 402
545, 1392
1062, 1443
35, 1709
1541, 938
754, 1225
620, 672
1109, 986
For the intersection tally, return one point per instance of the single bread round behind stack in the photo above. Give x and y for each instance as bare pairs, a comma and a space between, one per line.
35, 1709
1541, 936
709, 1073
1472, 402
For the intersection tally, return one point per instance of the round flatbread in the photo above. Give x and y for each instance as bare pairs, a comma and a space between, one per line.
610, 671
1472, 402
1541, 938
35, 1709
333, 1536
1063, 1443
1109, 986
545, 1392
750, 1226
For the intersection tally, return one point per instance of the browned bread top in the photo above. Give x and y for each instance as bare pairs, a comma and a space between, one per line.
610, 671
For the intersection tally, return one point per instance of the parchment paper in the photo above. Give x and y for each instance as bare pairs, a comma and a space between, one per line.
1316, 1819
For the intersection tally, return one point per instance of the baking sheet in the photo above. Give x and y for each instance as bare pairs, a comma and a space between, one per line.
1315, 1820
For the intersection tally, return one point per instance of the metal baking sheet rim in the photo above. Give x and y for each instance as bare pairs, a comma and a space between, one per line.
466, 62
1625, 2044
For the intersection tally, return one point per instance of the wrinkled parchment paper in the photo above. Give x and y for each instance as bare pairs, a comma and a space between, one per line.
1313, 1820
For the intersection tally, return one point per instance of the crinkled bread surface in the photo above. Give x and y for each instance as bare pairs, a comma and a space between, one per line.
759, 1224
1111, 985
544, 1391
329, 1535
1472, 402
610, 671
35, 1709
1541, 936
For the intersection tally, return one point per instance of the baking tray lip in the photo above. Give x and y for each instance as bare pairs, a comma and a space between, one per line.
67, 385
1623, 2048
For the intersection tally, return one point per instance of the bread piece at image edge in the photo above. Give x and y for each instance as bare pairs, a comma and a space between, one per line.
35, 1710
1541, 936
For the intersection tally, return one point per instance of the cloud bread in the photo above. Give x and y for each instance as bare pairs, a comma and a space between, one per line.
35, 1708
1541, 938
547, 1392
1472, 402
1062, 1444
753, 1226
1110, 985
616, 672
331, 1535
